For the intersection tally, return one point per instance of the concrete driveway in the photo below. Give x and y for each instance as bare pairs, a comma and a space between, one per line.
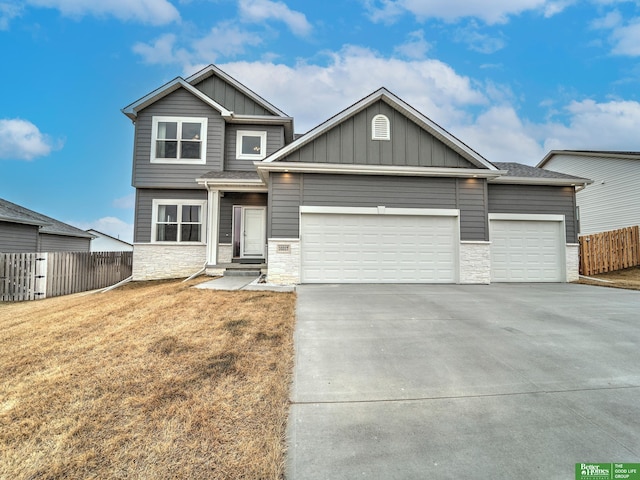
505, 381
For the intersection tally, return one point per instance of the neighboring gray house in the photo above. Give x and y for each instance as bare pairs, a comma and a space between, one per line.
611, 202
24, 231
106, 243
378, 193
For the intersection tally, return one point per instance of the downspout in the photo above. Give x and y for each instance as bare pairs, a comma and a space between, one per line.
198, 273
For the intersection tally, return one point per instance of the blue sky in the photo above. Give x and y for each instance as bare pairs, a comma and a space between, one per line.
511, 78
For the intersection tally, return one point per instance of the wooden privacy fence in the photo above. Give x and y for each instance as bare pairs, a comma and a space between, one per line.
609, 251
31, 276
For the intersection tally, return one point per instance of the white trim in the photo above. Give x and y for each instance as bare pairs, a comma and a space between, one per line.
432, 212
178, 202
526, 217
474, 242
383, 94
251, 133
568, 182
212, 69
265, 166
132, 110
263, 230
213, 197
203, 121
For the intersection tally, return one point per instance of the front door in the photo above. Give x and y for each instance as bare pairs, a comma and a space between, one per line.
253, 230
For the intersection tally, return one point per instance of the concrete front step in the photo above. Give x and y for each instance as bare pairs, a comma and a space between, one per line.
235, 272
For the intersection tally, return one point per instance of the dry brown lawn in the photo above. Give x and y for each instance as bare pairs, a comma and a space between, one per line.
153, 380
628, 278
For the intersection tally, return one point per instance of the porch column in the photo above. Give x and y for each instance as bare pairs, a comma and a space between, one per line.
213, 226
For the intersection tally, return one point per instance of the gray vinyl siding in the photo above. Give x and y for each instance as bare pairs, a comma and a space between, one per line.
611, 202
275, 141
18, 238
285, 197
62, 243
179, 175
144, 208
473, 204
350, 143
230, 97
540, 199
289, 191
226, 211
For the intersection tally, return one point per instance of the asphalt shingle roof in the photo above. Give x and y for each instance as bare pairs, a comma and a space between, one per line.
10, 212
232, 175
526, 171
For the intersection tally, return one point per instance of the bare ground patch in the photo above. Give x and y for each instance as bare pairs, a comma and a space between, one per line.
152, 380
629, 278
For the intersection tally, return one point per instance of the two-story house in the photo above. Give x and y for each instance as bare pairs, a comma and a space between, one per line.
377, 193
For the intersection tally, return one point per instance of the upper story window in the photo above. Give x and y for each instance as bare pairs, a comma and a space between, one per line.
179, 140
251, 145
380, 128
178, 221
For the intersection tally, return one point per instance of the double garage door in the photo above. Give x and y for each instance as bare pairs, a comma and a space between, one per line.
369, 245
379, 246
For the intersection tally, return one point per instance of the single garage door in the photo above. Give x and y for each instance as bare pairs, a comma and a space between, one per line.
378, 248
527, 250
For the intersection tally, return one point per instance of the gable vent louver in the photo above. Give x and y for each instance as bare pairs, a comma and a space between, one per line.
380, 129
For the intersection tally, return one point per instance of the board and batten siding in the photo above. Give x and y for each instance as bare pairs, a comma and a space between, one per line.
537, 199
18, 238
289, 191
350, 143
177, 175
62, 243
611, 201
230, 97
226, 211
275, 141
144, 208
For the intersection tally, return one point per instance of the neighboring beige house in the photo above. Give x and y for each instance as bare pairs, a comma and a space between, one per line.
611, 201
106, 243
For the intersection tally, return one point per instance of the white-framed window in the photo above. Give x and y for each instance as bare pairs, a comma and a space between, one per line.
179, 140
380, 128
251, 145
178, 221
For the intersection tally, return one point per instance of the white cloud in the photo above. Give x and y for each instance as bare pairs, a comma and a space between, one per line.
110, 225
154, 12
128, 201
259, 11
610, 125
22, 140
225, 39
489, 11
313, 93
479, 42
416, 47
8, 12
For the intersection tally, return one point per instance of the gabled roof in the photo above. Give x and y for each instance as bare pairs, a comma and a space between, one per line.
213, 70
590, 153
98, 234
10, 212
132, 110
395, 102
518, 173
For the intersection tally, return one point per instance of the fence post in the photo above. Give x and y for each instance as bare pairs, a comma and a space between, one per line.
40, 286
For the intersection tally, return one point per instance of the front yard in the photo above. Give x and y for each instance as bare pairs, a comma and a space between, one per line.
152, 380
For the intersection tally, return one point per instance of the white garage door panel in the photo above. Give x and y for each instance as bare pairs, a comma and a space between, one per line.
526, 251
353, 248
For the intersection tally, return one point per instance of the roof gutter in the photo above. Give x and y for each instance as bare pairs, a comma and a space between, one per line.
284, 167
567, 182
